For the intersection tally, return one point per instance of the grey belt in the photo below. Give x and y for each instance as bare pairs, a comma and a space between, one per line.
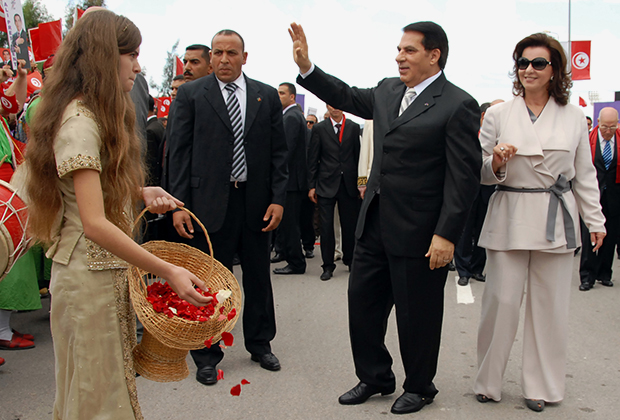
561, 186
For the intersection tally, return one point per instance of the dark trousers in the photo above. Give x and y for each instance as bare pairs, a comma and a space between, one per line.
469, 258
289, 231
306, 223
259, 324
598, 267
378, 282
348, 209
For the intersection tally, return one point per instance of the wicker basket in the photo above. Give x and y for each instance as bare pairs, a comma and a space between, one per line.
159, 359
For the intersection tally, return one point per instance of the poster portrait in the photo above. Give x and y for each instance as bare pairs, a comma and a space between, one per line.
19, 40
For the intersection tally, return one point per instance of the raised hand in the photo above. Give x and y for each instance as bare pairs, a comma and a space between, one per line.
300, 47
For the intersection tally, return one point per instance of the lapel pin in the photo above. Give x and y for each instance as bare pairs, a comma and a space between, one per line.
258, 99
425, 103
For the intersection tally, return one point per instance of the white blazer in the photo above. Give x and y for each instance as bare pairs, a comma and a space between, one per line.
557, 143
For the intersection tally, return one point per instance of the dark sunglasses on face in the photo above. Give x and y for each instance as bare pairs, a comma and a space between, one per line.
539, 63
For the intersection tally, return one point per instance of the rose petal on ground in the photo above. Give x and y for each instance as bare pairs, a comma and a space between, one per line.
220, 374
227, 338
245, 382
235, 390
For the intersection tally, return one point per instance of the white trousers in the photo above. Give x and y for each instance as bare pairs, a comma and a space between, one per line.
546, 278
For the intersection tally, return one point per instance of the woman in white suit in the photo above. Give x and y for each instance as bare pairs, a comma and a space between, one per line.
536, 151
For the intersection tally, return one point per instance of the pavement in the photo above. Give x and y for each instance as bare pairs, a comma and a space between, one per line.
313, 347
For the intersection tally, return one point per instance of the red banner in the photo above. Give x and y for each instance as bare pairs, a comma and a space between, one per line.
163, 106
2, 20
580, 60
46, 39
179, 66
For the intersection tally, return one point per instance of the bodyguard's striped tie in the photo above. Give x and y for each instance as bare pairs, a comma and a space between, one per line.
607, 156
234, 111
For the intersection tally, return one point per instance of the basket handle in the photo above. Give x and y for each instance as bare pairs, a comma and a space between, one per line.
204, 229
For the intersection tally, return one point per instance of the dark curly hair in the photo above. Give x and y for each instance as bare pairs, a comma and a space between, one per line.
559, 86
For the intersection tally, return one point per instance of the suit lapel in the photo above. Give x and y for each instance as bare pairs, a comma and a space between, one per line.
252, 105
213, 95
425, 101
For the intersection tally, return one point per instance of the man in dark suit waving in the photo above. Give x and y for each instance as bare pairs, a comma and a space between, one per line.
425, 175
228, 162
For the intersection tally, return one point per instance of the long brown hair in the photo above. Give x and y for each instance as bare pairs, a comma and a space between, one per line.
87, 67
559, 86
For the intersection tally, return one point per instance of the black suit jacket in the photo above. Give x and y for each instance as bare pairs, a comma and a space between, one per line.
201, 149
295, 129
607, 181
155, 132
426, 161
328, 160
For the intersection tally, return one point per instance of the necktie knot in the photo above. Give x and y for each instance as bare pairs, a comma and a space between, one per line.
231, 88
410, 95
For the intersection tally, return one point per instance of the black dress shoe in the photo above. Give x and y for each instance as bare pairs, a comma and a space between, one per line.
451, 266
463, 281
480, 277
277, 258
585, 287
287, 270
267, 361
607, 283
309, 253
410, 403
207, 375
361, 392
327, 274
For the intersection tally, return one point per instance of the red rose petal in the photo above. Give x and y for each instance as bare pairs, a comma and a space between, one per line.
235, 390
209, 342
245, 382
222, 318
227, 338
220, 375
232, 314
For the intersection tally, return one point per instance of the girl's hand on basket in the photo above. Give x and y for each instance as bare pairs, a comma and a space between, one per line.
159, 200
182, 282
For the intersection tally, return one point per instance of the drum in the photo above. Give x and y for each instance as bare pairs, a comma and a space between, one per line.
13, 221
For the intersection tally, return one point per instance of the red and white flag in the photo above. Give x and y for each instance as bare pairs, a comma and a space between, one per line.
178, 67
582, 102
580, 60
163, 106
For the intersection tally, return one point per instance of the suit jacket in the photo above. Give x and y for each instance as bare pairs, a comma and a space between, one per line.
329, 160
556, 144
426, 162
155, 132
295, 129
201, 151
608, 179
140, 97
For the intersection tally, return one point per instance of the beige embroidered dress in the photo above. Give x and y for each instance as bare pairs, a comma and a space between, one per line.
93, 325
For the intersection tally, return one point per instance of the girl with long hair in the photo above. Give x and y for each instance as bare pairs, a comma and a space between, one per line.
84, 183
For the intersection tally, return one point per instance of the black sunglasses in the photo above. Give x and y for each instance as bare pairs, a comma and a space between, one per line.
538, 63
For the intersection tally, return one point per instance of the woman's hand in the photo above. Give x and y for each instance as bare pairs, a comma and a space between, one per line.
159, 200
596, 238
502, 153
182, 282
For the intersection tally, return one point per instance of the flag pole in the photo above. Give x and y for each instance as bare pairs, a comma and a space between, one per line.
570, 52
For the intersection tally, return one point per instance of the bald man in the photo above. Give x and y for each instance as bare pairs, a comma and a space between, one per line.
604, 145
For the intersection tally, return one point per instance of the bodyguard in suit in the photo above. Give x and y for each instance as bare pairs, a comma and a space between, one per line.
228, 163
289, 230
605, 149
425, 175
332, 173
155, 132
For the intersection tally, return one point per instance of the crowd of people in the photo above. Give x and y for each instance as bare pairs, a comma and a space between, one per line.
506, 190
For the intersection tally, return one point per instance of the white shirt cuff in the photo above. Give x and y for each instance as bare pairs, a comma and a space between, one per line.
306, 74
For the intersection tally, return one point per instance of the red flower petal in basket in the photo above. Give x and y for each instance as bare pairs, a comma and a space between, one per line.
222, 318
220, 374
235, 390
245, 382
208, 342
232, 314
227, 338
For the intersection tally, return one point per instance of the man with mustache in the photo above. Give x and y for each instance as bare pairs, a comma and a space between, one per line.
196, 62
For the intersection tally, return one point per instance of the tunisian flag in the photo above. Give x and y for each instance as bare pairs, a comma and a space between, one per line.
179, 66
46, 39
580, 61
163, 106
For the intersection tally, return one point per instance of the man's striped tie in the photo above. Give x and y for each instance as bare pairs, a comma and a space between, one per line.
607, 156
234, 111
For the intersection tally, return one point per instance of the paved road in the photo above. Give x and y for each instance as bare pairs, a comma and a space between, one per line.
313, 347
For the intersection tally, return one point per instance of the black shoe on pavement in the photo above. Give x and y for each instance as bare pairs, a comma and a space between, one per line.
463, 281
287, 270
207, 375
309, 253
327, 274
361, 392
451, 266
607, 283
267, 361
584, 287
410, 403
277, 258
480, 277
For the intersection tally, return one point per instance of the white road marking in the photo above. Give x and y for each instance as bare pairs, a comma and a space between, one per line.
464, 295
